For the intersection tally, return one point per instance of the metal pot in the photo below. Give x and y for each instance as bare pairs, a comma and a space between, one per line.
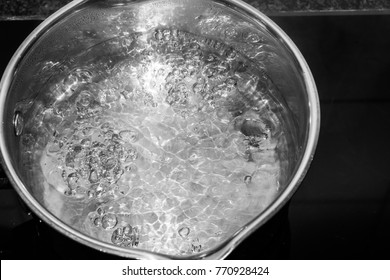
99, 35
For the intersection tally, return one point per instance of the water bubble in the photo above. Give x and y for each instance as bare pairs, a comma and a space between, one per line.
131, 155
106, 126
161, 72
196, 246
253, 128
93, 177
184, 72
86, 142
182, 88
193, 158
254, 141
77, 148
184, 231
117, 236
69, 159
158, 35
84, 98
171, 99
87, 131
130, 136
127, 230
115, 137
210, 72
108, 176
211, 57
72, 180
109, 164
197, 87
18, 123
231, 82
131, 236
97, 222
168, 86
109, 221
253, 38
108, 135
68, 192
132, 168
194, 46
126, 236
83, 75
117, 172
230, 33
90, 193
100, 211
93, 162
217, 45
247, 179
166, 34
231, 54
83, 170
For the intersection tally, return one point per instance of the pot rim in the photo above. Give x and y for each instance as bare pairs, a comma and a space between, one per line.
223, 249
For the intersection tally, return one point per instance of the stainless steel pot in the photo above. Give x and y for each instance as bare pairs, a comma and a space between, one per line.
84, 27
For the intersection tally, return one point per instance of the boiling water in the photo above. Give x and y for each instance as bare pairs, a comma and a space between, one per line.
172, 148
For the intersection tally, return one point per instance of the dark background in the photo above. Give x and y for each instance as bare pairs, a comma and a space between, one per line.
342, 208
43, 8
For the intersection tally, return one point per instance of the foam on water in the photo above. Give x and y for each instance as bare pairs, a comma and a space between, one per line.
172, 149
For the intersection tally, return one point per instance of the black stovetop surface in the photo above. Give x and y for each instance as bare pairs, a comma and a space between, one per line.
342, 208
